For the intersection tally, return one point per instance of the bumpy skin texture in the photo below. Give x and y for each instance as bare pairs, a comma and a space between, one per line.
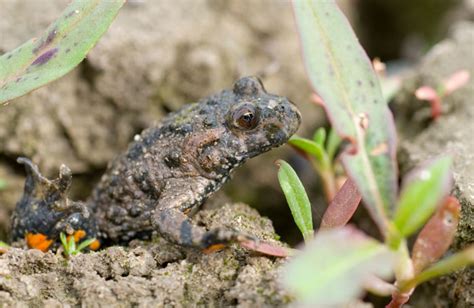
167, 172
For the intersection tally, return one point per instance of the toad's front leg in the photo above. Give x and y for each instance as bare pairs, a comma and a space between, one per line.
171, 217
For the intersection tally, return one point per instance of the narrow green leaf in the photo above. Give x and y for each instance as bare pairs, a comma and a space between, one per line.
63, 239
333, 144
63, 46
85, 244
342, 75
297, 199
309, 147
423, 190
320, 136
451, 264
71, 244
334, 267
65, 244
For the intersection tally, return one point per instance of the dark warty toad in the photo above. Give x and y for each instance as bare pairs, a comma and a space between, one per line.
165, 175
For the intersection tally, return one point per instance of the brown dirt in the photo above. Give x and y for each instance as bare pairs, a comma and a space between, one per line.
148, 274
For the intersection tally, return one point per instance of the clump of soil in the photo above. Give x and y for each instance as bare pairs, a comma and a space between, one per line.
155, 273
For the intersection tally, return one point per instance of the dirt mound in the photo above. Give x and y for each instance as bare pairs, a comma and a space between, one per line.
154, 273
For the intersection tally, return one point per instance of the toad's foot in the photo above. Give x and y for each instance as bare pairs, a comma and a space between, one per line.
44, 211
178, 227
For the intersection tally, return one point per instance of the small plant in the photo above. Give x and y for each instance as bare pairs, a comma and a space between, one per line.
69, 245
339, 262
321, 153
447, 86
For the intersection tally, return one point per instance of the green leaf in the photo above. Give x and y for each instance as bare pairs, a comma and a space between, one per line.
63, 239
71, 245
3, 244
63, 46
333, 144
451, 264
320, 136
297, 199
84, 244
342, 75
332, 269
423, 190
311, 148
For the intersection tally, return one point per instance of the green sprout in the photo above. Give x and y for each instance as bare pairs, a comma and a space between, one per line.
69, 246
321, 152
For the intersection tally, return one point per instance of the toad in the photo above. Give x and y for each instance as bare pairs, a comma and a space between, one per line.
164, 177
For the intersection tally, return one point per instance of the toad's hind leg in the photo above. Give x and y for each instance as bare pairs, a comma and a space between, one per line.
178, 227
44, 211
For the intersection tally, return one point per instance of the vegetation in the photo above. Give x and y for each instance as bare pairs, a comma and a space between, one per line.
69, 245
62, 47
349, 90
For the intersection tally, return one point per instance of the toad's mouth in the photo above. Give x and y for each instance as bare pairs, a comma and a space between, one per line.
274, 140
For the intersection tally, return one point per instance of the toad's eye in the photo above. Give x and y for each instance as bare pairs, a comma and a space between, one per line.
245, 117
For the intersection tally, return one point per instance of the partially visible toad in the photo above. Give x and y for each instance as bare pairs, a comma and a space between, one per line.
165, 175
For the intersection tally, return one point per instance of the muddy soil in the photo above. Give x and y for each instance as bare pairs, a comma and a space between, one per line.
150, 274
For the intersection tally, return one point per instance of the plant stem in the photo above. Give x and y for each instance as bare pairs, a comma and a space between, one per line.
377, 286
326, 173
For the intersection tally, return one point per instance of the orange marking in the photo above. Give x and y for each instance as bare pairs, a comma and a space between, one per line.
379, 149
214, 248
94, 245
78, 235
38, 241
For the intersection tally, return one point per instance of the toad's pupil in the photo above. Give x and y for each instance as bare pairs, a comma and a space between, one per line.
247, 117
247, 120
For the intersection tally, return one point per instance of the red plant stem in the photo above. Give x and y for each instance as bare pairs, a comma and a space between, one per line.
435, 107
398, 300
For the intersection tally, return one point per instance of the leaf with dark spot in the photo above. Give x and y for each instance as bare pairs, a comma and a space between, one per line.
40, 61
349, 96
45, 57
